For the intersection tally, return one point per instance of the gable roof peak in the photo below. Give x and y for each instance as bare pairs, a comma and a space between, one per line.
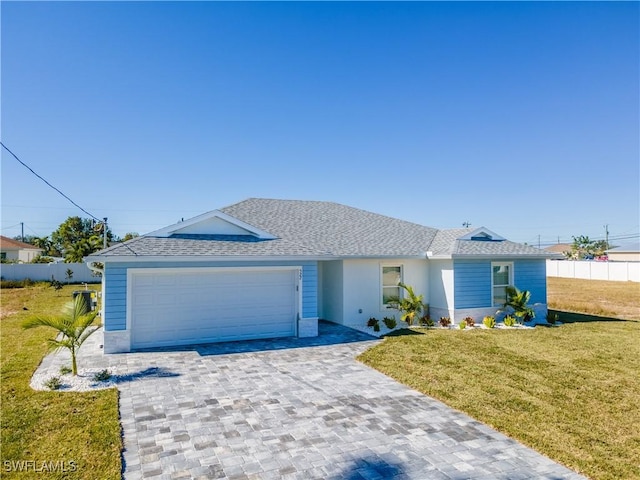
210, 223
482, 233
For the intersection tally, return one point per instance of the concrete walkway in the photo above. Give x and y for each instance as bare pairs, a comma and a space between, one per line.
294, 408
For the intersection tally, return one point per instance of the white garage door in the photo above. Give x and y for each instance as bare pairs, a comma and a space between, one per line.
199, 305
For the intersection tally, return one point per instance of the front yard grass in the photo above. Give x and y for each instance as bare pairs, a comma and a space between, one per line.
53, 427
570, 392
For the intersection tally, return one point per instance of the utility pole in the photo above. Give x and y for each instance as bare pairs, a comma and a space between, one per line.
606, 235
466, 224
104, 233
538, 241
22, 231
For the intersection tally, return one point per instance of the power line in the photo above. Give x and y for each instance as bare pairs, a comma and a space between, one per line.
41, 178
12, 226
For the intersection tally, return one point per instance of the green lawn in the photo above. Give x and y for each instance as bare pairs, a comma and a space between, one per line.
55, 427
570, 392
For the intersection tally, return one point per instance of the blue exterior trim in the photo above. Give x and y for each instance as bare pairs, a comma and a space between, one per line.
115, 286
472, 281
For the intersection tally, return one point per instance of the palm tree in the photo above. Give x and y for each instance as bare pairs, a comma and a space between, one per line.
73, 324
42, 242
410, 305
519, 301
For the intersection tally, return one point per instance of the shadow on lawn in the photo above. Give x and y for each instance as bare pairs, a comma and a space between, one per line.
573, 317
405, 331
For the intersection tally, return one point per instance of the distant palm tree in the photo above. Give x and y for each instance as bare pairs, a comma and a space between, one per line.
73, 324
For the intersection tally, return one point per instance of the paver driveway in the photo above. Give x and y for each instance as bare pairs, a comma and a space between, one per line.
296, 408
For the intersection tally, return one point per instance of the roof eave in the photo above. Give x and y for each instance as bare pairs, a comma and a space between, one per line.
232, 258
503, 256
203, 258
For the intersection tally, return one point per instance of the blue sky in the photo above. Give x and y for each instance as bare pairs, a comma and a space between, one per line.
522, 117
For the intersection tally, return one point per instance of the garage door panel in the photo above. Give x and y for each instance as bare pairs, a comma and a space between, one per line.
185, 307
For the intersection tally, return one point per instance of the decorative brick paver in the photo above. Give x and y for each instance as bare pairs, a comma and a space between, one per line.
294, 409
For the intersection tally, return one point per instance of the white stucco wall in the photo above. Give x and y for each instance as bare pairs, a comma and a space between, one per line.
362, 281
441, 281
330, 286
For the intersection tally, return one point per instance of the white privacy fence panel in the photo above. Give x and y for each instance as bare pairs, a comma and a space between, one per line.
43, 271
591, 270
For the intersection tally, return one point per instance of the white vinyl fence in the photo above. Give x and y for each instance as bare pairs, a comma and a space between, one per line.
592, 270
42, 271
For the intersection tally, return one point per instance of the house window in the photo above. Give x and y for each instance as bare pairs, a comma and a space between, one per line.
501, 277
391, 276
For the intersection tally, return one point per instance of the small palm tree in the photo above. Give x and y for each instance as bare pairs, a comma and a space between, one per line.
410, 305
519, 301
73, 324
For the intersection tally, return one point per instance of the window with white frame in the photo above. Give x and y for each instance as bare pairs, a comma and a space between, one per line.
391, 276
501, 277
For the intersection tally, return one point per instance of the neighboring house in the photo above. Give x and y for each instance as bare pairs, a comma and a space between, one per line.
559, 248
266, 268
629, 252
16, 251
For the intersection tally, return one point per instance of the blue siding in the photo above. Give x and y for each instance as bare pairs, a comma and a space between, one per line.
310, 290
532, 275
471, 283
115, 298
115, 294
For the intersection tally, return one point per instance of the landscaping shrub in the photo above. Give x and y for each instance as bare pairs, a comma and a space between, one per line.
390, 322
489, 321
53, 383
469, 321
426, 321
55, 284
102, 376
445, 321
509, 321
374, 323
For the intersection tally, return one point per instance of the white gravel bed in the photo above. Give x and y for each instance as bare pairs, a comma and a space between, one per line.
82, 382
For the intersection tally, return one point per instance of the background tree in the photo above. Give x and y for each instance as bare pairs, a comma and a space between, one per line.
46, 245
27, 239
585, 248
42, 259
78, 237
129, 236
41, 242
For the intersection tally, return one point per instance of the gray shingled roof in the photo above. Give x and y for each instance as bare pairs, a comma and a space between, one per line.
334, 228
317, 229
